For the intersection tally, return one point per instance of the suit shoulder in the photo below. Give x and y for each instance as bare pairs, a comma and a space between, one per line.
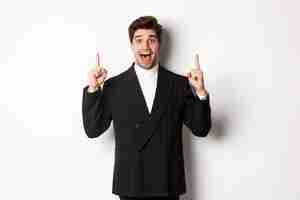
115, 79
177, 77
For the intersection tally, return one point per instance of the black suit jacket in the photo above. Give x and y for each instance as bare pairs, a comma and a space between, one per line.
148, 146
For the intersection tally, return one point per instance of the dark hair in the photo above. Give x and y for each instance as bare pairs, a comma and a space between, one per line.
145, 22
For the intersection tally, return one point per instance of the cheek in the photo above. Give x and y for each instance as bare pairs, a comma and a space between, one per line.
155, 49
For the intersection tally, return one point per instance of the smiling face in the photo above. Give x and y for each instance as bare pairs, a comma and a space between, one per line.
145, 47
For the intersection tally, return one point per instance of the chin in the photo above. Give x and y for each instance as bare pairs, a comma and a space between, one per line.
146, 66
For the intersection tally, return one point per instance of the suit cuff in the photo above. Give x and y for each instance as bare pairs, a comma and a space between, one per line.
201, 97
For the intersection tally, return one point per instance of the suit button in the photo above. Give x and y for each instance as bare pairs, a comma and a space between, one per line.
137, 125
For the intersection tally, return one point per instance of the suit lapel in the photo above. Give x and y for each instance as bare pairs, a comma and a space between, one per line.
145, 130
137, 94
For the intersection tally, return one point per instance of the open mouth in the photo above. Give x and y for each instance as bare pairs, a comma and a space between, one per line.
146, 57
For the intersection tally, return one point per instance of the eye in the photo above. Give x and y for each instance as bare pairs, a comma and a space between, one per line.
138, 40
152, 40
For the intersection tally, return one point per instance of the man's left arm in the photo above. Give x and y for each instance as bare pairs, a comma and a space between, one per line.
197, 112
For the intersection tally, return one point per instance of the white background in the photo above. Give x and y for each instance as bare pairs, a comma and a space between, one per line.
250, 51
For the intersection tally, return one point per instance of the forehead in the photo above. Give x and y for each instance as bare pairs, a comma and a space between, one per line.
144, 33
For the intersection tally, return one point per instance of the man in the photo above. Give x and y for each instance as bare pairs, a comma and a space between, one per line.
148, 105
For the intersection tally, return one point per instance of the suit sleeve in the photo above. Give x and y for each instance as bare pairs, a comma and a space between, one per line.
96, 111
197, 113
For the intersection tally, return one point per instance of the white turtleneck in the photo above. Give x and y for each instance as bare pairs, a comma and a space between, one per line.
148, 82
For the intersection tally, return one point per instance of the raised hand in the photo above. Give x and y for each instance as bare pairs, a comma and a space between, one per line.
97, 76
195, 77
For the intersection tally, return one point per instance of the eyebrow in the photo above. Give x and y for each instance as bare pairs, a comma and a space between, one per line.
152, 36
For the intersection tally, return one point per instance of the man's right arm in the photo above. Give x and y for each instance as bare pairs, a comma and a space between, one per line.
96, 110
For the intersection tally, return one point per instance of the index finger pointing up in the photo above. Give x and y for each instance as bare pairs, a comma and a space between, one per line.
98, 59
196, 61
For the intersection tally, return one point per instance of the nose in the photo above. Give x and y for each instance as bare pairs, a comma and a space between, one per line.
146, 45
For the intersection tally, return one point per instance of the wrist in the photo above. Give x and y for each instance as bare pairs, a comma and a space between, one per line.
202, 92
92, 89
